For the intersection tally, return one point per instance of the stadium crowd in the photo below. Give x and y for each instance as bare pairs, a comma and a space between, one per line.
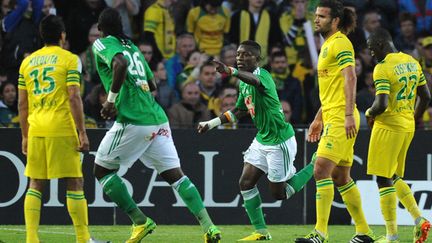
180, 38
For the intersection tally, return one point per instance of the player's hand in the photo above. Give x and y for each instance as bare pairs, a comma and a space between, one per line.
221, 67
203, 127
314, 132
350, 127
84, 142
108, 110
24, 146
370, 121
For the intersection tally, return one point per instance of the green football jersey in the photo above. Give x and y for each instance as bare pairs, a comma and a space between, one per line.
265, 109
135, 102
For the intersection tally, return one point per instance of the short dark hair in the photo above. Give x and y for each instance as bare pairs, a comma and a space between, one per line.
380, 35
51, 29
348, 19
111, 24
256, 48
277, 54
206, 64
406, 16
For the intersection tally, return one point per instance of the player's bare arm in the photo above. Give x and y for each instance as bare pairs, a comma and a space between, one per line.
229, 116
350, 94
244, 76
78, 116
379, 106
424, 96
23, 115
119, 67
315, 128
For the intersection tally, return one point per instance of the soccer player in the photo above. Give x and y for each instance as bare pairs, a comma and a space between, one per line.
340, 119
399, 81
141, 130
50, 111
274, 148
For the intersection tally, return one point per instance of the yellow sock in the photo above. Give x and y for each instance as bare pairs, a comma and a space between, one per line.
32, 207
77, 207
406, 197
388, 209
324, 199
351, 197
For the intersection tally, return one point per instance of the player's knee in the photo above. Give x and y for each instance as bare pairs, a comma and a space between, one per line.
37, 184
341, 179
384, 182
75, 184
279, 195
246, 184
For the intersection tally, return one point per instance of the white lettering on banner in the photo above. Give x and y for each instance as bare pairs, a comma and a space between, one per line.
22, 179
53, 197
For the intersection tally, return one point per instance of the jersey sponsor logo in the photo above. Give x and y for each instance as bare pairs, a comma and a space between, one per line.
250, 105
161, 132
143, 84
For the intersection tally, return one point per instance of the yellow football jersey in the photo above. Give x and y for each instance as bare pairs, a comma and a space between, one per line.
45, 75
336, 54
158, 20
208, 29
398, 75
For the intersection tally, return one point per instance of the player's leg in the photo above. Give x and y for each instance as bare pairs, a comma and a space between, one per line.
32, 208
388, 205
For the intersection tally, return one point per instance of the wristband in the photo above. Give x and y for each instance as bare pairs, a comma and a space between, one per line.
111, 97
214, 122
230, 116
234, 71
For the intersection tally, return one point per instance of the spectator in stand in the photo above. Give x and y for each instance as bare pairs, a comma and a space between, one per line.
148, 52
228, 56
21, 37
405, 41
208, 23
8, 105
371, 21
422, 10
126, 9
359, 70
90, 76
165, 95
228, 102
93, 105
357, 36
193, 63
418, 51
291, 24
286, 108
287, 87
367, 59
180, 14
159, 29
5, 8
255, 23
49, 8
79, 22
208, 85
426, 58
189, 111
175, 65
366, 96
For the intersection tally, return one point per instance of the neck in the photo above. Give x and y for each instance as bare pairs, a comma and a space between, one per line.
253, 9
327, 34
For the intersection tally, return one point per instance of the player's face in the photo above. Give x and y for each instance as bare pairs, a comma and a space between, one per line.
376, 49
246, 60
323, 20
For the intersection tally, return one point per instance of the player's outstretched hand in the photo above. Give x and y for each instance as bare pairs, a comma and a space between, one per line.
203, 127
108, 110
350, 127
314, 133
84, 142
24, 146
221, 67
370, 121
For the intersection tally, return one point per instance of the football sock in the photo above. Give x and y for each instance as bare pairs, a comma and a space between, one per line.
351, 197
324, 199
114, 187
406, 197
32, 207
252, 204
301, 178
77, 207
191, 197
388, 209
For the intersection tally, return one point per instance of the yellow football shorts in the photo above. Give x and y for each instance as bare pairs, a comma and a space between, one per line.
334, 144
387, 152
53, 157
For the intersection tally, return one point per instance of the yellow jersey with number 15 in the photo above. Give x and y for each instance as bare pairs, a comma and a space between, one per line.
398, 76
336, 54
45, 75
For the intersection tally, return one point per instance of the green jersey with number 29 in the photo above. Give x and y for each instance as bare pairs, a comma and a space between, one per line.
135, 102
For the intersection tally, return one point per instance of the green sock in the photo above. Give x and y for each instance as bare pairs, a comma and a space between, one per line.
252, 204
114, 187
193, 201
301, 178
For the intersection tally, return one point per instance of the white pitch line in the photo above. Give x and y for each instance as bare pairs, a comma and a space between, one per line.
40, 231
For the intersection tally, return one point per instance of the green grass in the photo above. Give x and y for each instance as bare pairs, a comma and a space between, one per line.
187, 234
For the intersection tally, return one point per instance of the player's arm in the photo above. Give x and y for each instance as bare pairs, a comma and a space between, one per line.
424, 98
315, 128
119, 68
350, 93
23, 115
230, 116
77, 111
244, 76
379, 105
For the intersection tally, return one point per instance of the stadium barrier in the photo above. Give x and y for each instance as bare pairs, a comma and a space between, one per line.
213, 161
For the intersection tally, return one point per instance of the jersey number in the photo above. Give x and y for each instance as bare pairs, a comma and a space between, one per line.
45, 78
402, 92
136, 67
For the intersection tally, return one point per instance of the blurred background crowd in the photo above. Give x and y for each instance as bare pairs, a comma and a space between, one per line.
178, 38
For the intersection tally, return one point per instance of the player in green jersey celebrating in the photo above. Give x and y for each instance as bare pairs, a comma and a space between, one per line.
274, 148
141, 130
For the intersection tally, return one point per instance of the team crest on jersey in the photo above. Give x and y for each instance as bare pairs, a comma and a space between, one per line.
143, 84
324, 55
